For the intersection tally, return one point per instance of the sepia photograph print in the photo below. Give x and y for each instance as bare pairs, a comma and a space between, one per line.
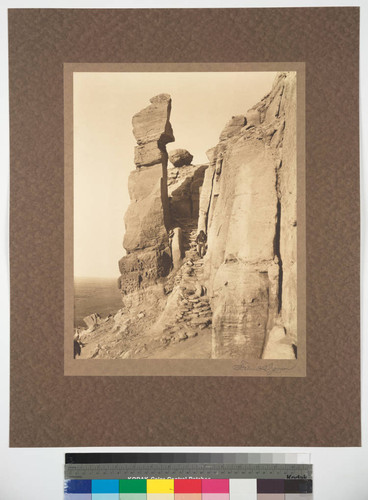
184, 210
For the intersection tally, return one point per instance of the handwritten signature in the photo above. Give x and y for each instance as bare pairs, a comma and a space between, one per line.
267, 367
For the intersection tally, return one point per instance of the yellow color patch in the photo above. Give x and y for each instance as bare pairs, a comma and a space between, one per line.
160, 486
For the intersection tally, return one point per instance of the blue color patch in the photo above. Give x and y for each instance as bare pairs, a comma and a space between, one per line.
78, 486
105, 486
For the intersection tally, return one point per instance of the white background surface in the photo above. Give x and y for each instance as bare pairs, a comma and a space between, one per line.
37, 474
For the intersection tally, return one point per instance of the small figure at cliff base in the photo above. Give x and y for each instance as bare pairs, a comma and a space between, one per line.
201, 241
78, 344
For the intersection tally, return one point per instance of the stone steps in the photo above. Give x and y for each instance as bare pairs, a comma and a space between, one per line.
189, 232
193, 315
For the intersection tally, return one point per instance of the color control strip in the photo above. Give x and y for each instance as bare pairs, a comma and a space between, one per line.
188, 489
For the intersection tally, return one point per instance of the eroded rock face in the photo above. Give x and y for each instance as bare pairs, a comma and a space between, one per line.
149, 154
92, 321
141, 268
253, 118
184, 184
177, 247
152, 124
248, 208
241, 236
145, 221
180, 157
206, 196
233, 127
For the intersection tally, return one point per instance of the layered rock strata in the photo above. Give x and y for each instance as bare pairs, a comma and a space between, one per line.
147, 219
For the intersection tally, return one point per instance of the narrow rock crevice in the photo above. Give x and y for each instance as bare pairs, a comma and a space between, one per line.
211, 199
277, 238
276, 250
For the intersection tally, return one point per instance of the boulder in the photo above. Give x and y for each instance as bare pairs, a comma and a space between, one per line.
92, 320
180, 157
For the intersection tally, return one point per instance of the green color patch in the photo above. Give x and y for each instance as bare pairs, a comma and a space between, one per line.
132, 486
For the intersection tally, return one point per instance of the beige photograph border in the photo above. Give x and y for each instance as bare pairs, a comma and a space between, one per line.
183, 367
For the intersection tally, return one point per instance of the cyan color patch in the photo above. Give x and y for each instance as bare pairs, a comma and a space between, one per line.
105, 486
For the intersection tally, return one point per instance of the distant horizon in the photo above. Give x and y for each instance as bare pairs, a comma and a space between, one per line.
103, 107
96, 277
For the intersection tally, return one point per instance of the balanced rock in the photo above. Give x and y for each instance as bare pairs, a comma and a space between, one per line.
152, 123
233, 127
180, 157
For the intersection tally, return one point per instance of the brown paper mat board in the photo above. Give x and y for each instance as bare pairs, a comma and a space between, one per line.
156, 387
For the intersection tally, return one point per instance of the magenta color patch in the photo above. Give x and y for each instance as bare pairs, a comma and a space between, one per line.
215, 486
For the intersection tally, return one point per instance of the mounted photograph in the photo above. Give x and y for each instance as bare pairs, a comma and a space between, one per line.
185, 231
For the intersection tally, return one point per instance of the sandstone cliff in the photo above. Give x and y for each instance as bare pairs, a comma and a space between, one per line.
248, 209
239, 300
148, 216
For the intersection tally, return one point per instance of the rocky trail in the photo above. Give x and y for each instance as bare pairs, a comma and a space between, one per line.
183, 333
193, 311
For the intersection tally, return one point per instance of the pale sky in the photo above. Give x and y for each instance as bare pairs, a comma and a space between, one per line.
104, 104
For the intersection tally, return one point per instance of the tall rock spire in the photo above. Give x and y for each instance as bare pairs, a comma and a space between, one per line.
148, 218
